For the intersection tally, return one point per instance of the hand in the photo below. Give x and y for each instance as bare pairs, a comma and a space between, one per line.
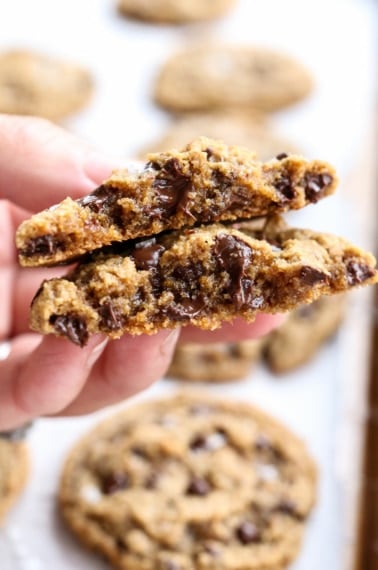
40, 164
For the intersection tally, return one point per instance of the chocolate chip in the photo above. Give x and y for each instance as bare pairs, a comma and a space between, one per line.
72, 326
185, 309
198, 486
152, 165
358, 272
263, 443
139, 452
173, 189
111, 316
310, 276
198, 443
210, 155
114, 482
281, 156
146, 254
235, 257
210, 442
288, 507
315, 184
104, 200
248, 533
43, 245
285, 188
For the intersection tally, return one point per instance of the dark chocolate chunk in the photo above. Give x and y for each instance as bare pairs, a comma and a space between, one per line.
358, 272
43, 245
72, 326
310, 276
315, 184
281, 156
198, 443
185, 309
285, 188
114, 482
198, 486
111, 317
146, 254
235, 256
288, 507
173, 189
104, 200
248, 533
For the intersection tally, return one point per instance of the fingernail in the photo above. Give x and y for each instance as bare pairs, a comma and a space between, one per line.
96, 352
169, 343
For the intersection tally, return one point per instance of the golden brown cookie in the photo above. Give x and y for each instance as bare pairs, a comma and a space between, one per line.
221, 76
33, 83
300, 337
14, 468
218, 362
174, 11
205, 182
190, 483
201, 276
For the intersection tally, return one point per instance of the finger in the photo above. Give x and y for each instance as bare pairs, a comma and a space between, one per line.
235, 331
124, 368
41, 164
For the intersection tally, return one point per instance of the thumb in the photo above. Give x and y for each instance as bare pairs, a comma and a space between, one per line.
41, 163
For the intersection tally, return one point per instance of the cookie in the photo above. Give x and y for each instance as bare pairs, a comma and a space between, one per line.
232, 128
190, 483
208, 181
174, 11
13, 472
32, 83
217, 362
201, 276
209, 77
303, 333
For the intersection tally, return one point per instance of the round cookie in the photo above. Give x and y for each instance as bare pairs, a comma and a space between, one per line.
190, 483
13, 472
218, 362
209, 77
36, 84
298, 339
232, 128
174, 11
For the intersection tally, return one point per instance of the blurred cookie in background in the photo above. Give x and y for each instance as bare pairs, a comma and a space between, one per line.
218, 362
242, 129
221, 76
174, 11
32, 83
14, 468
300, 337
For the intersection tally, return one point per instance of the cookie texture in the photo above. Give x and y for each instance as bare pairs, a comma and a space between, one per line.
201, 276
233, 128
154, 487
33, 83
174, 11
298, 339
206, 182
221, 76
217, 362
14, 467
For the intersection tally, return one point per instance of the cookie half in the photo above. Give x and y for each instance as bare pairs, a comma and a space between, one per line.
221, 76
174, 11
298, 339
206, 182
190, 483
201, 276
217, 362
32, 83
14, 468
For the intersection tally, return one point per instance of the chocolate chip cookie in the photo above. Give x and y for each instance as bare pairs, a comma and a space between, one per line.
33, 83
174, 11
207, 181
13, 472
218, 362
209, 77
303, 333
233, 128
190, 483
202, 276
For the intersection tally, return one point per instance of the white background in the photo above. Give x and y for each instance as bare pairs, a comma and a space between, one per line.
335, 39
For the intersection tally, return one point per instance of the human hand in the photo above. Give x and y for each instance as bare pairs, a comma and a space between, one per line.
40, 164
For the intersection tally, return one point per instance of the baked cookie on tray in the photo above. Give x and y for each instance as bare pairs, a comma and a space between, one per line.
218, 362
33, 83
221, 76
174, 11
233, 128
190, 483
297, 340
208, 181
14, 468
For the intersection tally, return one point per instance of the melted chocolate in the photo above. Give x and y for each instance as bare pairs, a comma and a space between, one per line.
146, 254
111, 317
43, 245
248, 533
104, 200
315, 186
310, 276
173, 190
358, 272
72, 326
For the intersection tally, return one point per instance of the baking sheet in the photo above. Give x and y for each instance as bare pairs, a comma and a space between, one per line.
336, 41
